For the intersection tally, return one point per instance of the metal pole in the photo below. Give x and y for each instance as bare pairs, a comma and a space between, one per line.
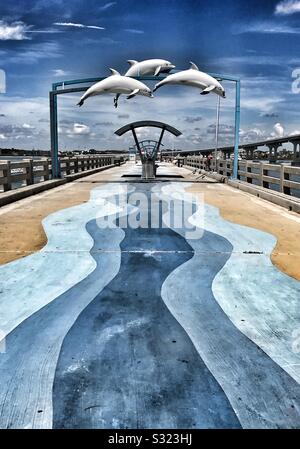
217, 130
159, 141
172, 148
237, 128
54, 136
137, 144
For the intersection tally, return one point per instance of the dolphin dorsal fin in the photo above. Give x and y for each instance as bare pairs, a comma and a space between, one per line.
114, 72
193, 66
132, 62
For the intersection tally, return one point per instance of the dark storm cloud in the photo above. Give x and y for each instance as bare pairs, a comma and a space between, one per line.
123, 116
191, 119
223, 129
271, 115
103, 124
66, 121
17, 131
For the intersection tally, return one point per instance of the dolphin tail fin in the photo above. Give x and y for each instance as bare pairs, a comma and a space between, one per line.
80, 103
132, 62
193, 66
114, 72
207, 90
157, 86
133, 94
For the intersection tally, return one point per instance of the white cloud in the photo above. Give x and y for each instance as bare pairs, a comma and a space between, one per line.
59, 72
19, 31
262, 60
3, 137
14, 131
266, 28
287, 7
35, 52
143, 132
15, 31
134, 31
107, 6
256, 134
79, 128
2, 82
260, 104
27, 126
46, 31
278, 130
78, 25
19, 107
252, 135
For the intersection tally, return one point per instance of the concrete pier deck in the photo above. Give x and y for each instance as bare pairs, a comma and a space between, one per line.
165, 304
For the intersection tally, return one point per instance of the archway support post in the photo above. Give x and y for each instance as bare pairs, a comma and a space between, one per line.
237, 129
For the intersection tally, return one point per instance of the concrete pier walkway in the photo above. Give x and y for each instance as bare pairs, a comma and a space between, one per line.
166, 304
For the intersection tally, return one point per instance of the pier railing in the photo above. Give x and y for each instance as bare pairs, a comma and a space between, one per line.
280, 177
28, 172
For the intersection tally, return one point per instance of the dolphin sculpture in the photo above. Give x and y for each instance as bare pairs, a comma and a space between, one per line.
193, 77
149, 67
118, 84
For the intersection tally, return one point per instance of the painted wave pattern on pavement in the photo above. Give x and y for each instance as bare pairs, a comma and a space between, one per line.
146, 334
27, 368
260, 391
32, 282
260, 300
126, 362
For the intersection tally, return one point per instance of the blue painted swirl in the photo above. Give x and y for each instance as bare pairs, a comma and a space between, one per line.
126, 362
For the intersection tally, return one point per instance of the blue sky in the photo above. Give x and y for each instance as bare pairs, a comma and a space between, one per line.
42, 41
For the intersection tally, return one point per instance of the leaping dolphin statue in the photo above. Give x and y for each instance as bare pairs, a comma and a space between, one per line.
117, 84
149, 67
193, 77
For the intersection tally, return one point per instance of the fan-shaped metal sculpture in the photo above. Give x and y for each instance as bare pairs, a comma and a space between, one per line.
148, 157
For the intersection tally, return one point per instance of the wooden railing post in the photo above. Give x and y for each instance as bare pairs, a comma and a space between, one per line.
284, 177
76, 165
29, 173
248, 170
261, 174
46, 168
281, 178
265, 172
7, 175
68, 169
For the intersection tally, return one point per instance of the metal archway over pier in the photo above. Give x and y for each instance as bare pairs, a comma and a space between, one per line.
148, 160
68, 86
149, 146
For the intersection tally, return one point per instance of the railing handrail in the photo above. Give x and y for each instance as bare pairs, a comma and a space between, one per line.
29, 170
265, 174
